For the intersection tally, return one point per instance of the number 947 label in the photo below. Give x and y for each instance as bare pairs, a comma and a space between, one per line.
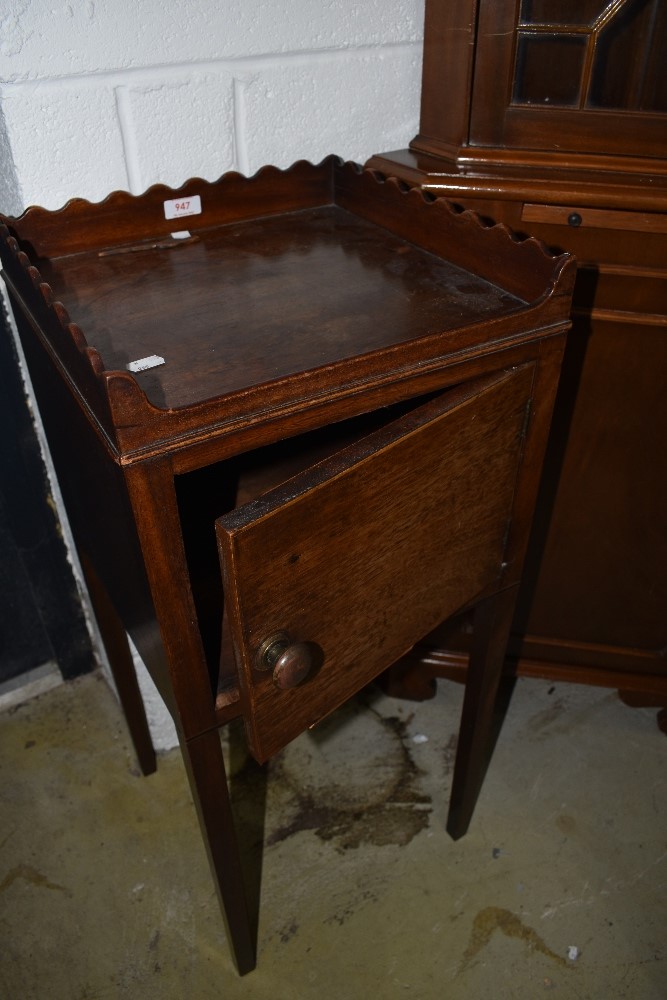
180, 207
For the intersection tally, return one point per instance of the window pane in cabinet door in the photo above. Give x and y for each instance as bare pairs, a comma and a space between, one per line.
601, 54
570, 77
630, 58
549, 69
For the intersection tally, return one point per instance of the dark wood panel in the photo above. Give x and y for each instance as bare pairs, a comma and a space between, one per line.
597, 218
603, 569
403, 529
593, 182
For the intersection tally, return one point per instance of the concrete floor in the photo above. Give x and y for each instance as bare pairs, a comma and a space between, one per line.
105, 892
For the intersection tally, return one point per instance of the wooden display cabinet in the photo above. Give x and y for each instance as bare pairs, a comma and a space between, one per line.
551, 117
332, 442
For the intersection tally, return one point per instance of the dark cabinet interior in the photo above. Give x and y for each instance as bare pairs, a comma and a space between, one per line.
41, 619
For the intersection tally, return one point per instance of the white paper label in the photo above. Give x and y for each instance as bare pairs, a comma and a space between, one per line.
180, 207
143, 363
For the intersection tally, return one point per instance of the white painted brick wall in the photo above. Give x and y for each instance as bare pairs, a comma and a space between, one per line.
99, 95
104, 94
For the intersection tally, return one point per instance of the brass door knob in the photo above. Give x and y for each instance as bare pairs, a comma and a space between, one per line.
291, 662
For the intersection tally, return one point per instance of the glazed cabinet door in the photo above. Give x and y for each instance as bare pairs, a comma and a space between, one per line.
335, 574
582, 77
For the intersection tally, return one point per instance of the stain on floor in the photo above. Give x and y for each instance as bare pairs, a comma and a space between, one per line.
546, 717
566, 824
353, 782
495, 918
29, 874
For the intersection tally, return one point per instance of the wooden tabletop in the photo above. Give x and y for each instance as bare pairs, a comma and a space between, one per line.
251, 302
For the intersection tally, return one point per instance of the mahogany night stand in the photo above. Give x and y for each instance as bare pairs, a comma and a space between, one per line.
327, 400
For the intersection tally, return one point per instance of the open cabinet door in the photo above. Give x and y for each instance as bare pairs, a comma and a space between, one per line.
335, 574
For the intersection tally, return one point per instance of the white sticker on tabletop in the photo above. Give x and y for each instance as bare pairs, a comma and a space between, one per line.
180, 207
143, 363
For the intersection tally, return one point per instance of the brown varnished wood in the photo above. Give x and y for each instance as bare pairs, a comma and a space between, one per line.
117, 222
607, 526
493, 620
367, 607
624, 181
597, 218
139, 415
205, 768
319, 311
151, 490
415, 675
594, 182
260, 294
397, 387
448, 59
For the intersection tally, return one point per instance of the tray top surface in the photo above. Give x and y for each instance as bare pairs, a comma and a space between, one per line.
248, 303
